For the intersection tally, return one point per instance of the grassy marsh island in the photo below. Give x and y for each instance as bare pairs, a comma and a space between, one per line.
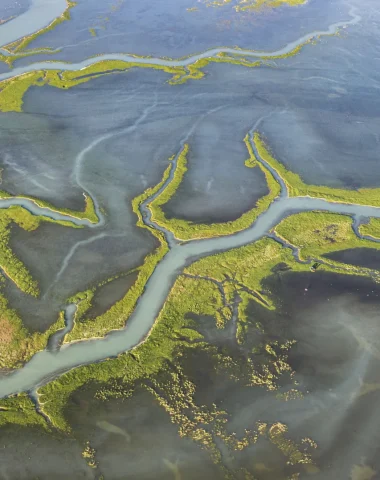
18, 344
20, 410
371, 229
328, 232
261, 4
12, 90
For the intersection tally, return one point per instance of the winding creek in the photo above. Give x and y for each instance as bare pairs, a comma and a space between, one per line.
55, 360
39, 14
181, 62
47, 365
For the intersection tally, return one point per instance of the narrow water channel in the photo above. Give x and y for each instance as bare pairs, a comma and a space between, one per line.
183, 62
47, 365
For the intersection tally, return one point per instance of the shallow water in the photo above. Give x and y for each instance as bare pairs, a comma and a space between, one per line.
112, 136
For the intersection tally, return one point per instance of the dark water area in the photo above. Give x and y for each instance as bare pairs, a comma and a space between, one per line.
110, 293
334, 322
135, 436
362, 257
73, 260
43, 455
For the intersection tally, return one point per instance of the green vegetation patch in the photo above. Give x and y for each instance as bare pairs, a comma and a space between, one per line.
297, 187
246, 267
117, 315
20, 410
244, 5
17, 344
20, 45
318, 233
13, 89
172, 329
9, 263
371, 229
260, 4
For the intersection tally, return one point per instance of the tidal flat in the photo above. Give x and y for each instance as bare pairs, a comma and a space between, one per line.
218, 190
173, 31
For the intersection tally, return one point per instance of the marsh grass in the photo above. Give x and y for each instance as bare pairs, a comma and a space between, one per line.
17, 344
117, 315
187, 230
20, 410
20, 45
298, 188
372, 229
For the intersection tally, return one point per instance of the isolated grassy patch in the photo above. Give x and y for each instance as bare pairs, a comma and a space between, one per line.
318, 233
20, 410
372, 229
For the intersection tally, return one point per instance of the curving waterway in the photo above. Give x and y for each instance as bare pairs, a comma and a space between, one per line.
47, 365
181, 62
54, 361
47, 212
39, 15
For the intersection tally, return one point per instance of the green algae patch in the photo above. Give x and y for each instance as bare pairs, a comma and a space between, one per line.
117, 315
185, 230
20, 410
371, 229
297, 188
17, 344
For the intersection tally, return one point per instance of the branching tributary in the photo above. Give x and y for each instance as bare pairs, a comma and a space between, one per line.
47, 365
55, 360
